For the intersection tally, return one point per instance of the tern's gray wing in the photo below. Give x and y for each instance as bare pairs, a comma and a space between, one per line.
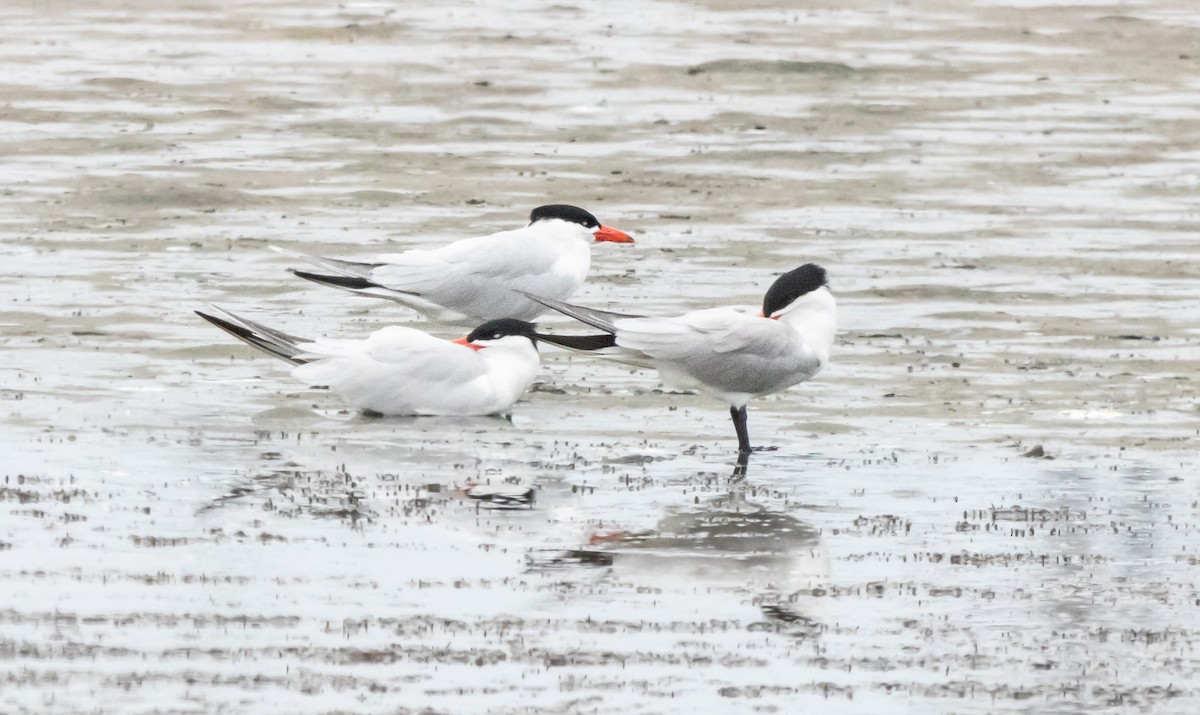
722, 349
481, 276
715, 331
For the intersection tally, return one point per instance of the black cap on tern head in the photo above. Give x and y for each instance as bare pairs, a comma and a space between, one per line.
565, 212
503, 327
791, 285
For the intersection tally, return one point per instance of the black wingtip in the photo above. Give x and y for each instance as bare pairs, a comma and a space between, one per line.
346, 282
278, 346
211, 319
233, 329
586, 343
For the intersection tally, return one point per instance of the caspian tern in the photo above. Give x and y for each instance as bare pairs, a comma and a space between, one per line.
403, 371
724, 352
477, 279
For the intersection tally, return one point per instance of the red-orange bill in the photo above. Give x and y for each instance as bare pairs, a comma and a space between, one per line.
613, 235
464, 341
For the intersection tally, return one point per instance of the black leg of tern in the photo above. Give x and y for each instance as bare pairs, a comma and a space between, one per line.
739, 471
738, 414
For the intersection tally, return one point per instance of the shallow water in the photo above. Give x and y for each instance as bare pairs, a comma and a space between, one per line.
1004, 193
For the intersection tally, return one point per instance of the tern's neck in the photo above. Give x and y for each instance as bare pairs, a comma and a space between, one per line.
511, 368
814, 318
571, 243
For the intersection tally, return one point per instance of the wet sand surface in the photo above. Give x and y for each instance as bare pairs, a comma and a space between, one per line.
988, 502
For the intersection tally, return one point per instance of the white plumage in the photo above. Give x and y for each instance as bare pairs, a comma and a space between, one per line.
479, 279
403, 371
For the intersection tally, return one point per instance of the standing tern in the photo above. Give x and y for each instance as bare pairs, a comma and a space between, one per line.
727, 353
403, 371
477, 279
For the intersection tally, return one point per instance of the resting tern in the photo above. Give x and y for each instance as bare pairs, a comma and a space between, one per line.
403, 371
477, 279
727, 353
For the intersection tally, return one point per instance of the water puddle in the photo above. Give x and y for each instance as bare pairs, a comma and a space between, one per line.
986, 502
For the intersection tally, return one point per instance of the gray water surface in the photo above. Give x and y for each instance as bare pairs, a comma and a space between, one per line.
1004, 193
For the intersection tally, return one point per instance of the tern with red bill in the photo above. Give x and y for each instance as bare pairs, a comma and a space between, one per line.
727, 353
478, 279
403, 371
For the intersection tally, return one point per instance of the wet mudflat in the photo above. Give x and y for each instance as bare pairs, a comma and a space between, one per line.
986, 503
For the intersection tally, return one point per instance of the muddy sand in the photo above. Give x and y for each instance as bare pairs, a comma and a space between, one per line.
987, 503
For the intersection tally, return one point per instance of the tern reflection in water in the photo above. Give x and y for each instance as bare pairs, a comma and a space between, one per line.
729, 541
